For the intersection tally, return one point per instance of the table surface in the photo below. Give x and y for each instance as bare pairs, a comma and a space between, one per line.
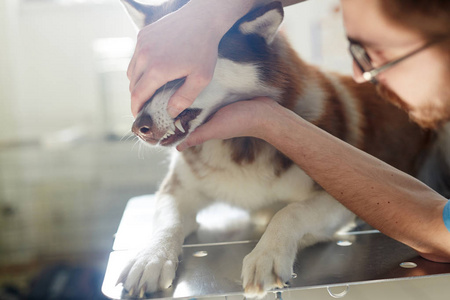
212, 256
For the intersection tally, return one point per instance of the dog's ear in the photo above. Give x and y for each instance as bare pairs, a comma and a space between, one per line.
137, 11
144, 14
263, 21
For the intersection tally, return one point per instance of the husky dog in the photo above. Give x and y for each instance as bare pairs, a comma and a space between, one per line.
256, 60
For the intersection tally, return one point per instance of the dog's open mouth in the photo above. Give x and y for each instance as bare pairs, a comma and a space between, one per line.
182, 127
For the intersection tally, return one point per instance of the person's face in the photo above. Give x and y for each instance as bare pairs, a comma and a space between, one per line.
419, 84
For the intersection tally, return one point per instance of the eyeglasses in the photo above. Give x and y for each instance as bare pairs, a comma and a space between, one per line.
364, 62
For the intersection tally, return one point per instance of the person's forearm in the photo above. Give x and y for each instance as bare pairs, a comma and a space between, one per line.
393, 202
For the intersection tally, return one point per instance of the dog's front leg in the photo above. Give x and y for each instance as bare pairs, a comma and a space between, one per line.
153, 268
270, 264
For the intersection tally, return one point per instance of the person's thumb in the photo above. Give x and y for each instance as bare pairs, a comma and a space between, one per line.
186, 94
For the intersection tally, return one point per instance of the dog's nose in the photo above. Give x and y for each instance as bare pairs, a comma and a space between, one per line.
142, 126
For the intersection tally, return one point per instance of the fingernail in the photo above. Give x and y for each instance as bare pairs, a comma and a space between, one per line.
181, 147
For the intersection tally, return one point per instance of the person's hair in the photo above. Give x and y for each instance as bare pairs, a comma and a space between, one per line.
430, 18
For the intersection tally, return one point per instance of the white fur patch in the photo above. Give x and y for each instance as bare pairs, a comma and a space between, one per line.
266, 25
251, 187
311, 103
233, 81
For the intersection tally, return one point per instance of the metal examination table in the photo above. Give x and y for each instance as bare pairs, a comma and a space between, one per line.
212, 256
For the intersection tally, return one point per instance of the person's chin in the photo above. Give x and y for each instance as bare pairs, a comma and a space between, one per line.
430, 116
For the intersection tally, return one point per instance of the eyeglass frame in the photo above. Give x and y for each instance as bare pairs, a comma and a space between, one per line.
372, 72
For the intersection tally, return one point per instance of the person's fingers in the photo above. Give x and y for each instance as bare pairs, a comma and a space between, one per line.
131, 66
213, 129
242, 118
140, 64
187, 93
139, 69
144, 88
146, 84
197, 137
139, 61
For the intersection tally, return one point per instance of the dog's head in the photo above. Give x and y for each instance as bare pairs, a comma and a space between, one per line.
243, 71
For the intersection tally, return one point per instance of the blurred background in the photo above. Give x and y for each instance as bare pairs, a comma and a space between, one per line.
68, 164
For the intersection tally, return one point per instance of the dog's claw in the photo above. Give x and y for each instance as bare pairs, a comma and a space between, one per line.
142, 291
256, 289
131, 292
279, 284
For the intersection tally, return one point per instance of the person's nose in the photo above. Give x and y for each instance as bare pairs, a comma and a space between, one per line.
357, 73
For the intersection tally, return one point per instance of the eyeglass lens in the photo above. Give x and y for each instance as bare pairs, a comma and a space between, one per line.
361, 57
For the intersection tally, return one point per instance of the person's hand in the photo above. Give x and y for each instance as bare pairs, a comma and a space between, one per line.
243, 118
182, 44
176, 46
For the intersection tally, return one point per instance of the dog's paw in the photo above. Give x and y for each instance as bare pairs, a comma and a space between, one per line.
265, 269
151, 270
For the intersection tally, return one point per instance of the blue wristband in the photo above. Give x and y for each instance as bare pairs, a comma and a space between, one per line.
446, 215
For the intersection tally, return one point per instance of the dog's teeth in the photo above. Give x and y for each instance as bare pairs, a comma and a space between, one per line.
179, 126
170, 131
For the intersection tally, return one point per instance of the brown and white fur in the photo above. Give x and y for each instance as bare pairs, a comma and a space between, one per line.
256, 60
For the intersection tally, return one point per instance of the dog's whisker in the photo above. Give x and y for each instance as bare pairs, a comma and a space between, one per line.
126, 136
141, 151
135, 143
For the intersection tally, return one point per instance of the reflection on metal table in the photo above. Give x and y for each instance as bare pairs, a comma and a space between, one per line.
212, 256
